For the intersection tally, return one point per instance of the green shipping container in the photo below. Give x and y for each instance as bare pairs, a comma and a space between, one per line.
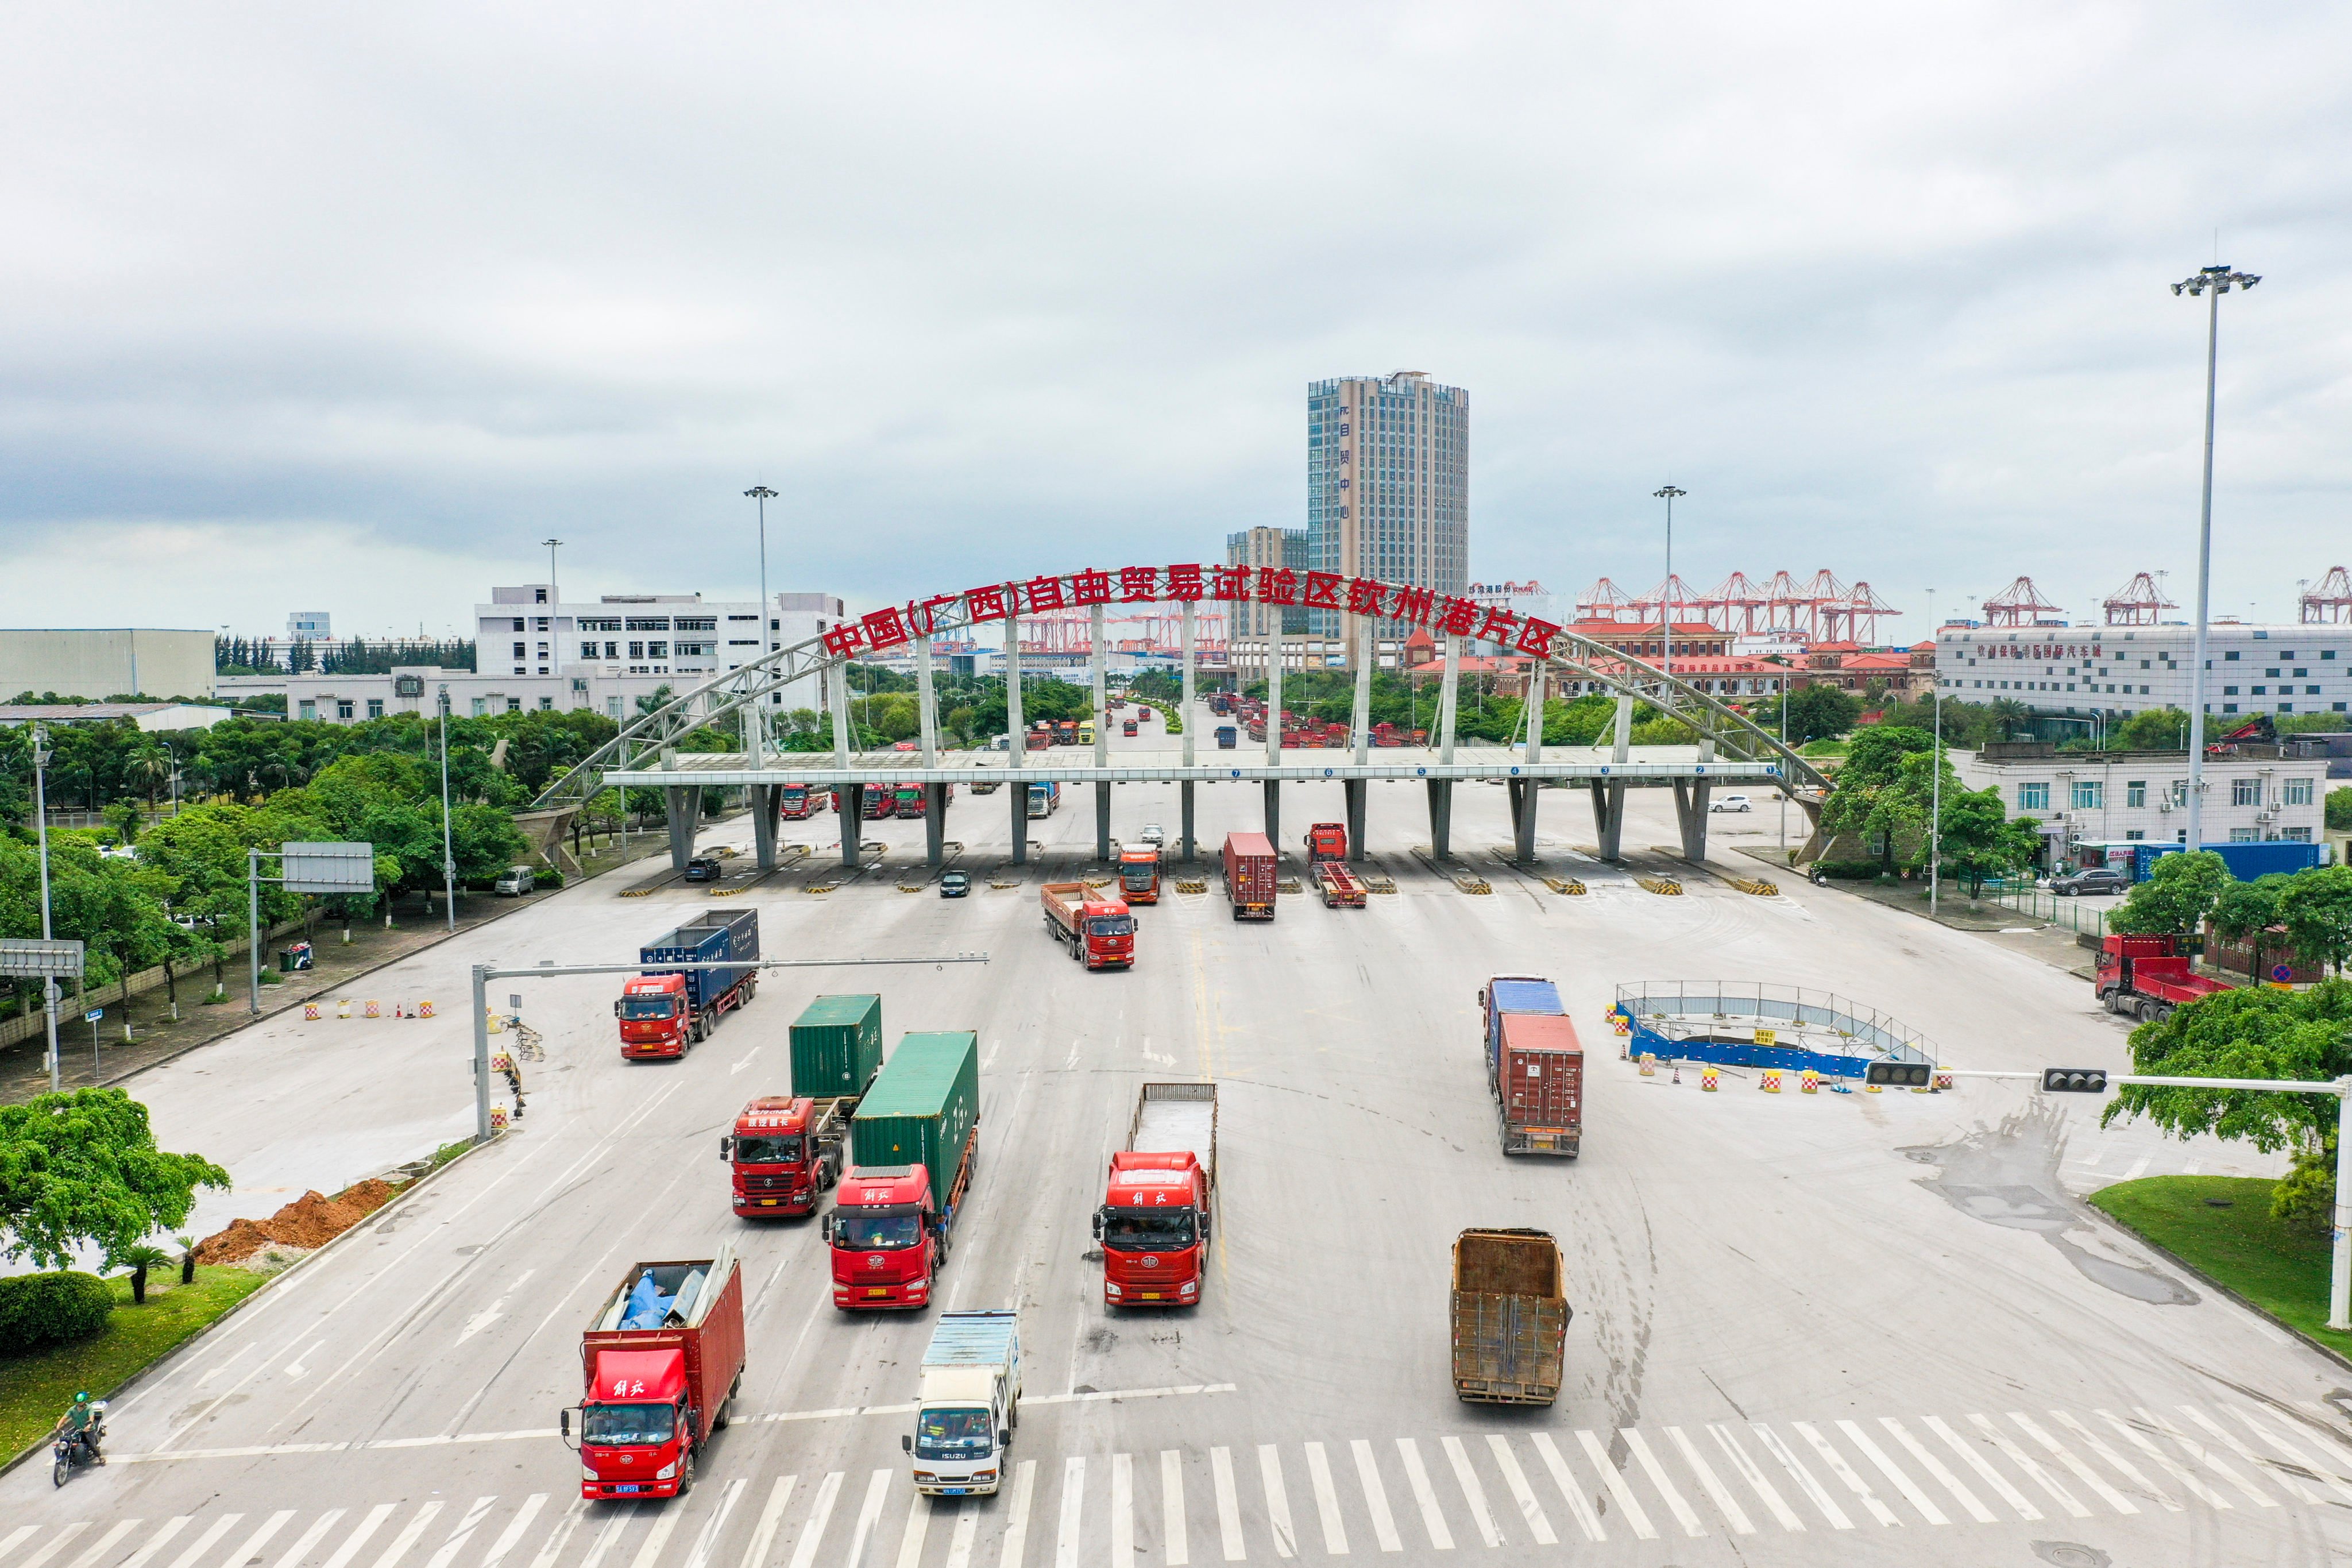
922, 1109
837, 1046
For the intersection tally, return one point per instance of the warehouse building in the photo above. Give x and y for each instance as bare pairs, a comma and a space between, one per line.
2113, 671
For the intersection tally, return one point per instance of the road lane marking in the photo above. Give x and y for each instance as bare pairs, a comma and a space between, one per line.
821, 1515
2296, 1456
918, 1525
64, 1536
253, 1543
609, 1534
2024, 1461
1122, 1510
555, 1543
368, 1525
511, 1537
1845, 1472
155, 1542
203, 1542
1472, 1493
2092, 1441
764, 1534
1376, 1498
740, 1063
1065, 1539
1016, 1531
462, 1534
1801, 1476
2133, 1435
2138, 1169
869, 1515
1171, 1507
1900, 1478
1531, 1511
1326, 1501
1753, 1474
967, 1525
1599, 1457
650, 1550
2213, 1462
1985, 1472
407, 1536
1563, 1477
1715, 1488
298, 1368
1942, 1472
1278, 1501
15, 1538
1229, 1511
1640, 1448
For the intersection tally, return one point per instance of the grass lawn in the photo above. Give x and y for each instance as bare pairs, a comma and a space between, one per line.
35, 1389
2280, 1268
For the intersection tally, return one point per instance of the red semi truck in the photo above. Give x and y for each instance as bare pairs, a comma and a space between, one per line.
1154, 1219
1534, 1065
662, 1014
1099, 933
1326, 841
660, 1363
1250, 875
1138, 873
797, 803
783, 1151
913, 1143
2148, 976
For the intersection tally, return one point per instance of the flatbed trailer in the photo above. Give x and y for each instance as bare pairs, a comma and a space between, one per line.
1341, 888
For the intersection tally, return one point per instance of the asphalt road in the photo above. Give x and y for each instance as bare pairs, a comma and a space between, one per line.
1827, 1328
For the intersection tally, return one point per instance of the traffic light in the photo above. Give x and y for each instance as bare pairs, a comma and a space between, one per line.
2073, 1080
1899, 1074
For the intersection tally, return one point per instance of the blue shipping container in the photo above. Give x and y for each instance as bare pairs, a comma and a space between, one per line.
731, 938
1515, 994
2246, 862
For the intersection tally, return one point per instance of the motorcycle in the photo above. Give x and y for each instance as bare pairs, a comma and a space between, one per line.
69, 1450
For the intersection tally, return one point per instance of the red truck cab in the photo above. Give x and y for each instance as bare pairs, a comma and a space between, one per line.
661, 1363
653, 1015
782, 1153
1138, 874
884, 1238
1326, 841
1154, 1229
2147, 976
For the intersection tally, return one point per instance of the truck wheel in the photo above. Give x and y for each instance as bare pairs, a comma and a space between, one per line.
2148, 1013
686, 1473
726, 1412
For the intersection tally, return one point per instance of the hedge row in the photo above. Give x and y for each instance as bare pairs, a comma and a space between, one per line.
39, 1310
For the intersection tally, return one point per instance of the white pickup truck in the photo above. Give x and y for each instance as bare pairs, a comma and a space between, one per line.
967, 1404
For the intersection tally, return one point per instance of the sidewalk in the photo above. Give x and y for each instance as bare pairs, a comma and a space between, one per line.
156, 1037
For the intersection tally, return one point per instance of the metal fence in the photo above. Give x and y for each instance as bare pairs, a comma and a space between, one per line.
1760, 1001
2070, 913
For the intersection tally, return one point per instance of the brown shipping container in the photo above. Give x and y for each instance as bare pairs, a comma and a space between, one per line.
1250, 875
1543, 1084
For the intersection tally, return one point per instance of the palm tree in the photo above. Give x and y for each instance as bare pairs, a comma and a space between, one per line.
138, 1259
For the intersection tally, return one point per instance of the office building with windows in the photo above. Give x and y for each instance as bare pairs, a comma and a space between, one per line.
2113, 671
2261, 795
1280, 548
1388, 486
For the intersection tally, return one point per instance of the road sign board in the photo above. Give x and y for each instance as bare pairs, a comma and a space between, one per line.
2281, 973
1768, 1037
329, 867
93, 1015
30, 957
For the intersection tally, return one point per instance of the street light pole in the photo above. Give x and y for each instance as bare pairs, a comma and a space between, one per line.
1936, 790
2219, 281
448, 860
762, 495
41, 820
1667, 594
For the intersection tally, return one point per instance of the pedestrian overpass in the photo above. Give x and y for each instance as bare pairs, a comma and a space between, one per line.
1727, 748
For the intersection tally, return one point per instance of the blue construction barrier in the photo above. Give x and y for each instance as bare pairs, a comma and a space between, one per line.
1639, 1011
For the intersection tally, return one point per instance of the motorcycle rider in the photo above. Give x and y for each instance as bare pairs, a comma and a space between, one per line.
80, 1425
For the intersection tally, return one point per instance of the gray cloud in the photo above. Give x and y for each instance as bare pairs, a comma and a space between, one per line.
352, 309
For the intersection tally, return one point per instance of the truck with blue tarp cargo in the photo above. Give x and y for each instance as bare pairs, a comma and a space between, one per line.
664, 1010
660, 1364
913, 1143
967, 1403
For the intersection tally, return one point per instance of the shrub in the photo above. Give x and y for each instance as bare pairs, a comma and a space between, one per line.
54, 1309
1848, 871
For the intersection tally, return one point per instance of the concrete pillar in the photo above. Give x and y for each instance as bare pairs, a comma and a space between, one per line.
1013, 723
1187, 852
927, 710
1624, 726
1102, 819
1184, 707
1098, 655
1690, 815
853, 824
1609, 816
1523, 818
935, 823
1441, 818
1367, 656
1447, 694
683, 806
1274, 814
767, 800
1274, 697
1537, 683
1020, 794
1354, 790
836, 683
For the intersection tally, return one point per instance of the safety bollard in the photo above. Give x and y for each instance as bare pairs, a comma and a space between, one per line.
1811, 1083
1706, 1078
374, 1009
343, 1009
425, 1009
1769, 1080
498, 1118
1649, 1064
310, 1012
1872, 1089
1943, 1077
498, 1024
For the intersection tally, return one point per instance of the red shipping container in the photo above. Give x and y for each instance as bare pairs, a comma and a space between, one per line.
1542, 1085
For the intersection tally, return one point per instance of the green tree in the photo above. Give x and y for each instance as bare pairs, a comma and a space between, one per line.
2339, 808
1980, 838
1816, 712
81, 1168
2245, 912
1880, 796
2151, 730
2316, 910
2177, 897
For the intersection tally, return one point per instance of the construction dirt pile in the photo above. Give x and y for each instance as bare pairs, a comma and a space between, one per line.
310, 1221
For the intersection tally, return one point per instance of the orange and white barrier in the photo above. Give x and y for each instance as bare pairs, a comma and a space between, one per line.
1943, 1077
1811, 1083
1706, 1078
310, 1012
1769, 1080
343, 1009
425, 1009
498, 1118
1649, 1064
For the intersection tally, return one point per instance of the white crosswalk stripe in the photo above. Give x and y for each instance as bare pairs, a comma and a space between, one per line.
1783, 1477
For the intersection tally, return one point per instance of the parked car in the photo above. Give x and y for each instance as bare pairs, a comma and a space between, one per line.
703, 868
1154, 834
514, 883
954, 884
2096, 879
1731, 803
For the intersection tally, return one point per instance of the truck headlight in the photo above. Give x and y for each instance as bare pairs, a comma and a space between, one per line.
1190, 1288
588, 1473
1112, 1290
667, 1471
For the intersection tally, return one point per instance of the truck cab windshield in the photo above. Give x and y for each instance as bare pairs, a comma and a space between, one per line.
768, 1150
628, 1425
1111, 925
953, 1433
1148, 1231
856, 1231
646, 1009
1138, 879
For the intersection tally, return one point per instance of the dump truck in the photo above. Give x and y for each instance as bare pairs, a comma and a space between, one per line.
1227, 738
783, 1151
912, 1143
660, 1364
2147, 978
1099, 933
1510, 1317
1138, 873
1044, 797
1339, 886
663, 1011
967, 1403
1154, 1219
1326, 841
1250, 875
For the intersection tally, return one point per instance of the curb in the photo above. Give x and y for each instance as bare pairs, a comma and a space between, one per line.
2265, 1313
39, 1444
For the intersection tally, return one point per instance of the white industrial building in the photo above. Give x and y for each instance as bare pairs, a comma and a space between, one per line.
2113, 671
2261, 794
99, 662
601, 654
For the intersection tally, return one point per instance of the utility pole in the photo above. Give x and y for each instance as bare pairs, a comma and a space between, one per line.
762, 495
1666, 596
1936, 788
41, 819
2219, 281
448, 860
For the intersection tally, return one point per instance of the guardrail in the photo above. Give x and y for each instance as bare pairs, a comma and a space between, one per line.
1697, 1005
2069, 912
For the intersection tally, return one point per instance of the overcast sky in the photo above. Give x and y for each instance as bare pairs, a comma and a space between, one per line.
347, 308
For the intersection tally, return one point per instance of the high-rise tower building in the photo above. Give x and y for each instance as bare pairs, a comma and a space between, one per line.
1387, 485
1261, 547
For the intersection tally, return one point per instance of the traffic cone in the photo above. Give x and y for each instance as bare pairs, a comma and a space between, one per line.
1678, 1072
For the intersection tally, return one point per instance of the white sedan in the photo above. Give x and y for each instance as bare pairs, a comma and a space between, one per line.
1731, 803
1154, 834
